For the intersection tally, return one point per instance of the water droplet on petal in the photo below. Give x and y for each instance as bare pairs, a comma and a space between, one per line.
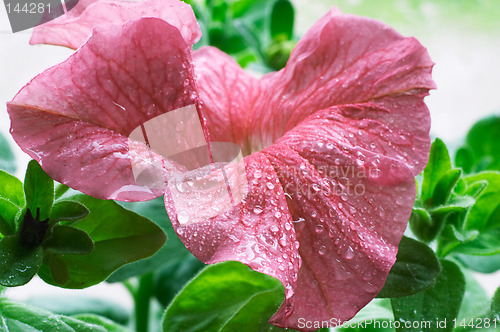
257, 209
319, 228
350, 253
257, 174
269, 185
322, 250
274, 228
183, 217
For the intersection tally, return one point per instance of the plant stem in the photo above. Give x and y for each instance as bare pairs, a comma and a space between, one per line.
142, 299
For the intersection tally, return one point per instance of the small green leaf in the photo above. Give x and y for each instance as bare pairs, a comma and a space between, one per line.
228, 297
19, 265
480, 214
39, 189
439, 163
78, 305
495, 305
65, 240
12, 189
482, 264
435, 304
9, 214
445, 186
7, 158
282, 17
120, 236
68, 211
455, 205
464, 158
415, 270
21, 317
484, 141
420, 220
476, 189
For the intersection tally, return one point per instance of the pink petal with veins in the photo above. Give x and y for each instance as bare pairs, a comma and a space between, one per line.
75, 118
75, 27
345, 129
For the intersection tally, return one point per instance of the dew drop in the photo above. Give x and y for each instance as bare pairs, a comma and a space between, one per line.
274, 228
183, 217
257, 209
257, 174
322, 250
350, 253
277, 214
282, 242
319, 228
329, 146
269, 185
288, 226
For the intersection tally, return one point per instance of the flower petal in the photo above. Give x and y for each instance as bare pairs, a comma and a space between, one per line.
75, 118
75, 27
227, 93
353, 206
257, 232
346, 59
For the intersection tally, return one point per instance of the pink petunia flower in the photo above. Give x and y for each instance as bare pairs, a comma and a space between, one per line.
331, 143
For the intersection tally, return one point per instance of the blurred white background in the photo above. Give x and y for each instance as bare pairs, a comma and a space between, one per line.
462, 37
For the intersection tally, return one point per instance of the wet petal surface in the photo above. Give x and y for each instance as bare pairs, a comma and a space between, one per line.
74, 28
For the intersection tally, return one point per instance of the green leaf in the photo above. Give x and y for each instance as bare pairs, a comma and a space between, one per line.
21, 317
174, 275
109, 325
19, 265
228, 297
39, 189
484, 141
482, 264
476, 189
68, 211
12, 189
495, 305
377, 313
9, 214
435, 304
173, 253
445, 186
464, 158
455, 205
7, 159
78, 305
120, 236
282, 17
420, 221
439, 164
483, 215
475, 303
65, 240
415, 270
